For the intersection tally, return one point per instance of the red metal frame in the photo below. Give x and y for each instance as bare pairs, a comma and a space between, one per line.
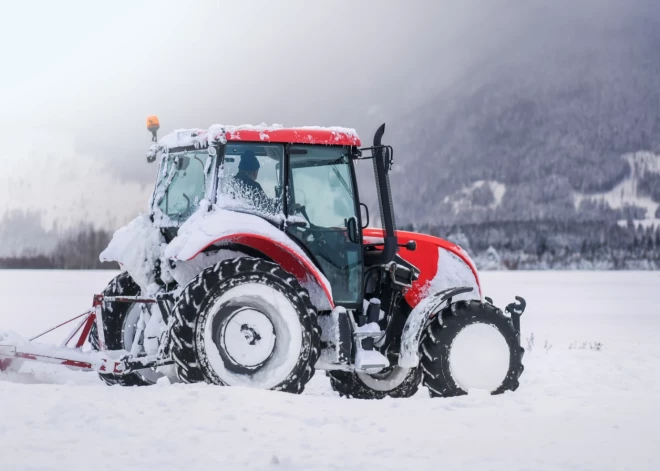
72, 356
66, 355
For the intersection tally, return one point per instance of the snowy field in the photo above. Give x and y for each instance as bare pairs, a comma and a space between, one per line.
589, 398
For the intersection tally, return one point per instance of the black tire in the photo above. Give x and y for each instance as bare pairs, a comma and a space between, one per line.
114, 323
439, 336
200, 320
354, 385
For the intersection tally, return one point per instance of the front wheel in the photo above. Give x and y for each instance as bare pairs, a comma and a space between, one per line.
471, 345
246, 322
394, 381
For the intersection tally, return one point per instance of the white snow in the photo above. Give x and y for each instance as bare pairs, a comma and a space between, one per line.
625, 193
578, 407
193, 137
287, 337
202, 137
479, 358
205, 227
136, 247
462, 199
370, 360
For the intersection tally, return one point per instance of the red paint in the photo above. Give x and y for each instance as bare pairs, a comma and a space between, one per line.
58, 326
26, 356
5, 364
78, 364
425, 257
63, 361
295, 136
280, 254
86, 330
98, 300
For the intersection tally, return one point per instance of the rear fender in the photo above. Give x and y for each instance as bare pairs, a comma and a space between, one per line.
255, 233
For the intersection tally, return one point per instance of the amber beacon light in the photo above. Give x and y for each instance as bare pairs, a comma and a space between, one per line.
153, 125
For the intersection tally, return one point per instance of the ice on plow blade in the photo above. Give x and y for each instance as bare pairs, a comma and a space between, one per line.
14, 349
8, 343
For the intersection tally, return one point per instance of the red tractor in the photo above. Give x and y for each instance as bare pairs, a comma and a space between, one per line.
255, 266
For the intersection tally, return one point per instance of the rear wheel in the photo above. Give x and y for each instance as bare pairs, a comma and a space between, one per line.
471, 345
119, 328
393, 381
246, 322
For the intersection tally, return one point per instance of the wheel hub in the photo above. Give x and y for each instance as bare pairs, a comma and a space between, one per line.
248, 338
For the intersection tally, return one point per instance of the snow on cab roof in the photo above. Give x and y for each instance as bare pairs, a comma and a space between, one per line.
262, 133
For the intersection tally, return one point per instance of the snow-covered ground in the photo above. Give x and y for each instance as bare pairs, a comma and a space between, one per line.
578, 407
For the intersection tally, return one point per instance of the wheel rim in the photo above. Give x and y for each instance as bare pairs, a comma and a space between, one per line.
248, 337
270, 314
386, 380
479, 357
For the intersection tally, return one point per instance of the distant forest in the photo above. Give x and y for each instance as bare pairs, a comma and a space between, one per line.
589, 245
75, 250
547, 245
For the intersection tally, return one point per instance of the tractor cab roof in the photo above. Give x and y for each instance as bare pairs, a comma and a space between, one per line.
248, 133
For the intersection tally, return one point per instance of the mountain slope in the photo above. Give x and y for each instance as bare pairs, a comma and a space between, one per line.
550, 118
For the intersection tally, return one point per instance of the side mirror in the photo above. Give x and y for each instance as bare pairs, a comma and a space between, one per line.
366, 215
352, 228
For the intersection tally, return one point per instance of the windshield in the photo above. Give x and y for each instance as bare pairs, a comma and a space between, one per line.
251, 179
182, 183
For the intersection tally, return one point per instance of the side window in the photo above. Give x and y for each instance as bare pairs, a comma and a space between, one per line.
322, 184
251, 179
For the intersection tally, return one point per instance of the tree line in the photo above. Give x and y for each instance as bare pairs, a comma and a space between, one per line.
553, 244
75, 250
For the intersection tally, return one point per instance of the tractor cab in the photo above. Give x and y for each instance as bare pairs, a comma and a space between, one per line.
300, 180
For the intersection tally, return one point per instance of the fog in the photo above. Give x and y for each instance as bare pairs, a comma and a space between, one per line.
79, 78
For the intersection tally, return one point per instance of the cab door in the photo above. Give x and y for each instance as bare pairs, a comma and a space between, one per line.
322, 215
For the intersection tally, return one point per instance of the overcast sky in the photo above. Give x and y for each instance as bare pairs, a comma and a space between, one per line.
79, 78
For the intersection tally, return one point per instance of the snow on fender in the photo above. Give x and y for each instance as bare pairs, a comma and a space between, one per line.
206, 228
452, 272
